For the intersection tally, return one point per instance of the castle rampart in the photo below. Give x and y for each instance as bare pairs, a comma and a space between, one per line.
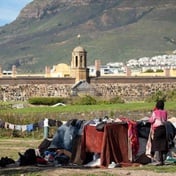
129, 88
132, 88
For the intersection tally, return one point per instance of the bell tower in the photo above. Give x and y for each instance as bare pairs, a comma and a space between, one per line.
79, 68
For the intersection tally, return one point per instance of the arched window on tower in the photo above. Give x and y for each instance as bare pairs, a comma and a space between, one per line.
76, 61
85, 64
81, 61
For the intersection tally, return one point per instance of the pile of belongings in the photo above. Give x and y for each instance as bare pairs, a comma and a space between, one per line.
101, 142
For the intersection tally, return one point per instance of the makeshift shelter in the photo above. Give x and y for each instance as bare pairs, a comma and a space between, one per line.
104, 142
123, 141
111, 141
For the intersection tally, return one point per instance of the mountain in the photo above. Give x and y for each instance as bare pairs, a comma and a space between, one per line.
45, 32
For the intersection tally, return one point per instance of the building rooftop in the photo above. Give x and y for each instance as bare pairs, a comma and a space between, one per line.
79, 49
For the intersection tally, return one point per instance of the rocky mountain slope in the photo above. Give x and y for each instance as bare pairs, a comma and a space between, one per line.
45, 32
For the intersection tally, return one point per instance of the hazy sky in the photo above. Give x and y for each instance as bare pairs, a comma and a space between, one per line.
10, 9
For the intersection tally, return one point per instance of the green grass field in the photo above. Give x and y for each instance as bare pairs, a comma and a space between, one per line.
10, 146
32, 114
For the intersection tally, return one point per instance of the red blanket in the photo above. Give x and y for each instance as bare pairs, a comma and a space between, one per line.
91, 141
112, 144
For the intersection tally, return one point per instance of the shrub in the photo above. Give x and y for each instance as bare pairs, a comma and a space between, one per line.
157, 96
159, 70
45, 100
5, 105
167, 95
116, 100
149, 71
86, 100
171, 95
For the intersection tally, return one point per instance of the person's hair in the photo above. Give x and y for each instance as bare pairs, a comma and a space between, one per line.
160, 104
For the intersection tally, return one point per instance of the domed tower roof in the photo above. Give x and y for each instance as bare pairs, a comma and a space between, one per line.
79, 49
79, 69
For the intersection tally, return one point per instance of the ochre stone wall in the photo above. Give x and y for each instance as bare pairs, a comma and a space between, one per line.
22, 92
132, 88
129, 88
132, 91
20, 89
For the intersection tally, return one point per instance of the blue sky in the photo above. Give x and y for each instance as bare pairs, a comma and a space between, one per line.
10, 9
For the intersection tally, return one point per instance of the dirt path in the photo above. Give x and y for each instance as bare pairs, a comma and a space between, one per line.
60, 171
103, 172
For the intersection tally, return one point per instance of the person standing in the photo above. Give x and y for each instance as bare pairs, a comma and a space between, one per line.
159, 140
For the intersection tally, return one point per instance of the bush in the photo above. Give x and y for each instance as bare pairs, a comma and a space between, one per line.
116, 100
159, 71
159, 95
171, 95
5, 105
149, 71
86, 100
45, 100
167, 95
